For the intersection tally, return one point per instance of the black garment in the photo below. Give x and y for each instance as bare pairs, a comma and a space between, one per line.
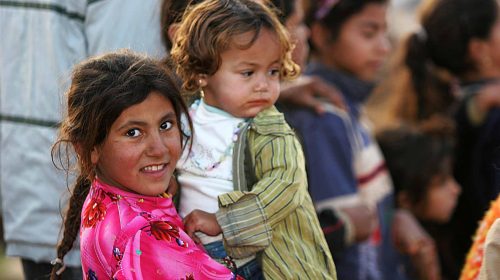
477, 169
39, 271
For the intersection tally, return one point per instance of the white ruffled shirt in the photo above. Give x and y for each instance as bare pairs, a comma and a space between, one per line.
214, 131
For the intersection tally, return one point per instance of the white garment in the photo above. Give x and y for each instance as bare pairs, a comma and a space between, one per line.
40, 42
201, 185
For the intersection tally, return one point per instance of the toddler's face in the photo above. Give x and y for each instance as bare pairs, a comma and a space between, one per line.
247, 80
440, 200
142, 147
362, 44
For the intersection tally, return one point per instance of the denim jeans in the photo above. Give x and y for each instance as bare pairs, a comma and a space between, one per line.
250, 270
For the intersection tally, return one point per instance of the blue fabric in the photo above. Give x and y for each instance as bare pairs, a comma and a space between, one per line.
250, 270
329, 154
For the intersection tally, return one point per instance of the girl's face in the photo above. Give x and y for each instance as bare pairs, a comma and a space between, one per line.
141, 149
299, 33
247, 80
440, 200
362, 43
489, 57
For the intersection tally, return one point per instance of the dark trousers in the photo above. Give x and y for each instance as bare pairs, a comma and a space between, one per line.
251, 270
41, 271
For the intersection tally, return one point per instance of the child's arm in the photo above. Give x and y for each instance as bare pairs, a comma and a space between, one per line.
311, 92
481, 103
412, 240
202, 221
247, 218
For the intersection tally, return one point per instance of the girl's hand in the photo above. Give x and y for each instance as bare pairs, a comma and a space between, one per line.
311, 92
201, 221
411, 239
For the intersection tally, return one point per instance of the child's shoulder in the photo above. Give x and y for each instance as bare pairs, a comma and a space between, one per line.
270, 121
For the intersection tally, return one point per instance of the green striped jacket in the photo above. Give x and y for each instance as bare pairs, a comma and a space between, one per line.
270, 212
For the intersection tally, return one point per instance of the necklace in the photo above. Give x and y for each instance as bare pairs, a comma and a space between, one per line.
227, 152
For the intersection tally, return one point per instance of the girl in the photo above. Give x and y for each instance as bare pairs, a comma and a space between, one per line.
345, 166
123, 123
244, 189
420, 164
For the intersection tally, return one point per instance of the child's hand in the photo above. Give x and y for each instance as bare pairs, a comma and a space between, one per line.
363, 220
201, 221
307, 91
411, 239
488, 97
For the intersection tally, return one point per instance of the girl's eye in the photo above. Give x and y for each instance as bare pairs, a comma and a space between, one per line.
369, 34
166, 125
133, 132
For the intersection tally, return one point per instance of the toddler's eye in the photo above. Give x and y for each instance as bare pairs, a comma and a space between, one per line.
247, 73
133, 132
166, 125
274, 72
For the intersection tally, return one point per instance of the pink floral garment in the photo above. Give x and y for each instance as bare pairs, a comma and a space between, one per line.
131, 236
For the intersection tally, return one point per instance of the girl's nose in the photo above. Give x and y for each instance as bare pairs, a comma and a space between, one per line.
455, 188
384, 45
156, 145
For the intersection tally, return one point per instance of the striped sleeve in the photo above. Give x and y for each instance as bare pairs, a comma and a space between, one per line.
247, 218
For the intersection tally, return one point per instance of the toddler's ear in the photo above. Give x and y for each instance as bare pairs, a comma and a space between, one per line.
202, 80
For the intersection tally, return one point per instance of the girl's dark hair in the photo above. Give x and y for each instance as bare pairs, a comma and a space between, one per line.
284, 8
414, 155
447, 27
101, 89
334, 16
171, 13
208, 29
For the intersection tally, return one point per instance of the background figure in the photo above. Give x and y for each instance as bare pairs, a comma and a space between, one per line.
451, 68
479, 263
489, 268
420, 162
345, 167
40, 42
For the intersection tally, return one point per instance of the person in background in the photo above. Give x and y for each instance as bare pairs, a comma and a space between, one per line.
345, 166
489, 267
40, 43
449, 68
420, 162
243, 184
480, 262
